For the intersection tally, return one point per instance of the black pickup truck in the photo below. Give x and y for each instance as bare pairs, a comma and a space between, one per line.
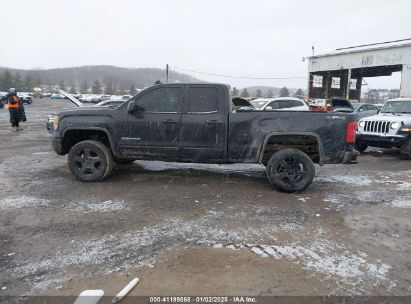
199, 123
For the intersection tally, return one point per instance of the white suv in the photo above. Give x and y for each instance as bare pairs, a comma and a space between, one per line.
390, 128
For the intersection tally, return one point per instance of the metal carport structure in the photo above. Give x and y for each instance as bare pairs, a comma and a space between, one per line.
340, 73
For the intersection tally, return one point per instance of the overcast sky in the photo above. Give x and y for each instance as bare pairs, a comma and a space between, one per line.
240, 38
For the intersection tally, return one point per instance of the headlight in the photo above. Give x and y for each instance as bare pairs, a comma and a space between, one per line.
55, 122
362, 124
395, 125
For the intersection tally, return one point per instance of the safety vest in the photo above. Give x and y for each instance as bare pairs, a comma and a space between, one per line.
14, 105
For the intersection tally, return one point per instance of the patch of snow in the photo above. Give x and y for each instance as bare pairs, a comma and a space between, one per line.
22, 202
358, 180
140, 248
401, 203
324, 257
96, 206
360, 197
405, 186
258, 251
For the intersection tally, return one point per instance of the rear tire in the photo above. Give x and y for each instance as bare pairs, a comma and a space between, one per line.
90, 161
360, 147
290, 170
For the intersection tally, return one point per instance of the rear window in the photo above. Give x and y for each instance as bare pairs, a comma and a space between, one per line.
203, 99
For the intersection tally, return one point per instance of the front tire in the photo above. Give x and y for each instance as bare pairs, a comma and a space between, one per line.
406, 150
290, 170
90, 161
360, 147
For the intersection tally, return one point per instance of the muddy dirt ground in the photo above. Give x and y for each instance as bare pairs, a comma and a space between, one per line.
192, 229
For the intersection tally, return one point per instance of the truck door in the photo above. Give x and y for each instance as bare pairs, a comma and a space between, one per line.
153, 130
203, 124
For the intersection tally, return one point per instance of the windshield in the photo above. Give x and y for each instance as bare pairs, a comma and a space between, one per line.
397, 106
258, 104
356, 105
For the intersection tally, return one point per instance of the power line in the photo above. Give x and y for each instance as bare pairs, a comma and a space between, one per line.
230, 76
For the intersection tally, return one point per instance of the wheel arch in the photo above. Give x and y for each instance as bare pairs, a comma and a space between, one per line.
81, 134
299, 139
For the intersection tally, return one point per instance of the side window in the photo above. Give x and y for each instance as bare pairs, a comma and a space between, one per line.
274, 105
286, 104
203, 99
161, 100
296, 103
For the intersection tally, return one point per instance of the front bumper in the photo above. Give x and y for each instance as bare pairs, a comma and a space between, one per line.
57, 145
381, 141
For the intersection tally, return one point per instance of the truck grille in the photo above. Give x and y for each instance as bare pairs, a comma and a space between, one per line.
377, 126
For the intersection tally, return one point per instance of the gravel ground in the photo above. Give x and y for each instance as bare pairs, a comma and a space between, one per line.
194, 229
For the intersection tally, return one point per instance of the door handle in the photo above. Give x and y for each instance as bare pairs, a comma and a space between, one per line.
213, 122
169, 121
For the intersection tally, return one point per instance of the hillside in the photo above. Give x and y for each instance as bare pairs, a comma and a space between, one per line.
125, 77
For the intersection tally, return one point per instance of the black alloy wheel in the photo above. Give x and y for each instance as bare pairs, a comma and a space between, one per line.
290, 170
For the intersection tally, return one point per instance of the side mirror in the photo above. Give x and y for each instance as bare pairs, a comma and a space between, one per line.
268, 108
131, 106
378, 111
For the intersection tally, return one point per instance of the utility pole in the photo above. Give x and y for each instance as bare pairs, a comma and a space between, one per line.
75, 77
167, 72
347, 89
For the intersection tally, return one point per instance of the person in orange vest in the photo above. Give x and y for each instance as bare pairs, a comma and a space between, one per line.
13, 105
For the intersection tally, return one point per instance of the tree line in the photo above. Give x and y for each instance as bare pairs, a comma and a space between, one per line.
108, 87
284, 92
28, 83
8, 80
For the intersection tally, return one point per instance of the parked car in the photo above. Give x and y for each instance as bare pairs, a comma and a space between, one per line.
365, 109
390, 128
105, 97
25, 98
46, 94
1, 100
242, 104
91, 98
78, 96
279, 104
57, 96
197, 123
334, 104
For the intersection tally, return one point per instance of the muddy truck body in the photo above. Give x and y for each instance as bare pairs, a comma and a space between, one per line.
199, 123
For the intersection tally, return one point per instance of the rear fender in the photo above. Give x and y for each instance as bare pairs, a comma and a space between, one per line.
308, 134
